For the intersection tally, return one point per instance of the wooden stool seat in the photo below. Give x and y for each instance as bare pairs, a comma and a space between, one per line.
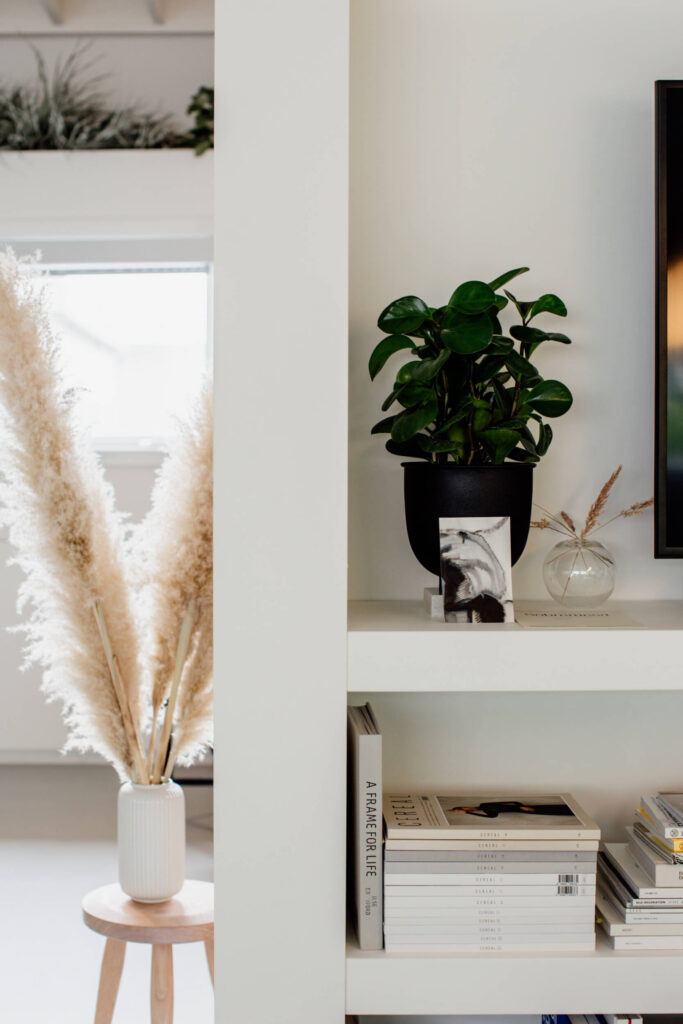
187, 917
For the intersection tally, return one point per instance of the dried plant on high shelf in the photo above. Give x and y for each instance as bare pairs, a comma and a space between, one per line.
87, 618
67, 110
564, 524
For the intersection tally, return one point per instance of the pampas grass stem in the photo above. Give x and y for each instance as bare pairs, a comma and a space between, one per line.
181, 657
137, 756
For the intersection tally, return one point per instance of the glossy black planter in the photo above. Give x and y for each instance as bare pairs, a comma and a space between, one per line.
434, 492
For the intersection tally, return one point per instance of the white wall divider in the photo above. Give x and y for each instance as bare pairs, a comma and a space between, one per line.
281, 408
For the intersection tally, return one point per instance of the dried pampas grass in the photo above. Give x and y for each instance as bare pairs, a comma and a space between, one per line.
175, 545
88, 614
65, 530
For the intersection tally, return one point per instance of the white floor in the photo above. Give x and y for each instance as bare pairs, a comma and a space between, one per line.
57, 841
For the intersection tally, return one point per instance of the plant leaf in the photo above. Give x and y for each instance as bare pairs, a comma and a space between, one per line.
466, 334
500, 441
523, 308
545, 436
520, 368
501, 344
472, 297
412, 421
403, 315
415, 394
407, 449
550, 398
548, 304
519, 455
384, 426
429, 368
438, 444
386, 348
534, 336
504, 278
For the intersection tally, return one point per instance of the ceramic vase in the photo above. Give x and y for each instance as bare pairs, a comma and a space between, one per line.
151, 841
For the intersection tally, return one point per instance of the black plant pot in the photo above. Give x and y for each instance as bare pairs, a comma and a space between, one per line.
433, 492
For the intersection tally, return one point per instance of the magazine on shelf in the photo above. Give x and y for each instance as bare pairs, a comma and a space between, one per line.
646, 942
662, 820
493, 915
671, 849
582, 946
496, 860
637, 915
675, 844
653, 863
423, 846
445, 903
522, 816
423, 872
622, 861
672, 803
365, 791
613, 923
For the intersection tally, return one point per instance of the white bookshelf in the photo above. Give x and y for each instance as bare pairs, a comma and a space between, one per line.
394, 646
284, 636
531, 983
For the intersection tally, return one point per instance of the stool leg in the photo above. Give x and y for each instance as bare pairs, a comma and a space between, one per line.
110, 976
208, 943
162, 984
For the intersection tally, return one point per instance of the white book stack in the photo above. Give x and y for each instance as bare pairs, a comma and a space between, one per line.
640, 883
467, 874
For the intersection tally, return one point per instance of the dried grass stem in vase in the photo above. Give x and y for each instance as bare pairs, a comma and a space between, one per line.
579, 570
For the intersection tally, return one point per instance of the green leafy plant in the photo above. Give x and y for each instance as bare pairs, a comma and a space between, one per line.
67, 110
469, 392
200, 136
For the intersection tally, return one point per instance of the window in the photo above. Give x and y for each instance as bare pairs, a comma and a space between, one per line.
137, 341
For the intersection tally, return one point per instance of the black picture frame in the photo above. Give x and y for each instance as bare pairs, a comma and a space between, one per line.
668, 302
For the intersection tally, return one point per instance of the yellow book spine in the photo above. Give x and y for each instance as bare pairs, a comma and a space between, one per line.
670, 845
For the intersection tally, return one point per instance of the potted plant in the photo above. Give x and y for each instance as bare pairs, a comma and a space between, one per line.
464, 404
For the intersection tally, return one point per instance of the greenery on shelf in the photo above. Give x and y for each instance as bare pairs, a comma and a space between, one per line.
67, 110
469, 391
200, 136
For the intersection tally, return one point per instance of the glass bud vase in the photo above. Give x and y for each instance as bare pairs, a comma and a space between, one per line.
579, 573
151, 841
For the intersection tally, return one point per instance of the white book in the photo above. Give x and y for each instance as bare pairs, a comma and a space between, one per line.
613, 923
438, 891
513, 928
469, 915
623, 1018
629, 871
459, 878
499, 860
583, 946
513, 902
488, 816
647, 942
365, 788
516, 939
654, 866
492, 845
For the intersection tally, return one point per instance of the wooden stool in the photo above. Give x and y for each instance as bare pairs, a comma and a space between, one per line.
188, 917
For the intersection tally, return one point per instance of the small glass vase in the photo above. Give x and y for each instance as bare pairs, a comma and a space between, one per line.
579, 573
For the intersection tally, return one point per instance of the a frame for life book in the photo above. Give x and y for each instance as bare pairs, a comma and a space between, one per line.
365, 824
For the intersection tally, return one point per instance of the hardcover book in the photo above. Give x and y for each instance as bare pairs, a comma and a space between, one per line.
365, 790
537, 817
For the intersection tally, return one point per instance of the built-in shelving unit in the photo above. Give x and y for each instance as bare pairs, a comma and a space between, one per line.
394, 646
509, 983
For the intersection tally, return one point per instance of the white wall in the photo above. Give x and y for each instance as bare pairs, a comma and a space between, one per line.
488, 134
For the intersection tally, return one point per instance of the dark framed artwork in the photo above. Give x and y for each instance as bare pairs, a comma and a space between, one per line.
669, 320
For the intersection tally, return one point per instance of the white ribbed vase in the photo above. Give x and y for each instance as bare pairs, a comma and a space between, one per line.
151, 841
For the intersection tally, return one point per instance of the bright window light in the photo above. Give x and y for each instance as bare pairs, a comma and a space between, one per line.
136, 340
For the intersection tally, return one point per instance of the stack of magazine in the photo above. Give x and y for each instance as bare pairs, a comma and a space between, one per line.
640, 883
488, 874
591, 1018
